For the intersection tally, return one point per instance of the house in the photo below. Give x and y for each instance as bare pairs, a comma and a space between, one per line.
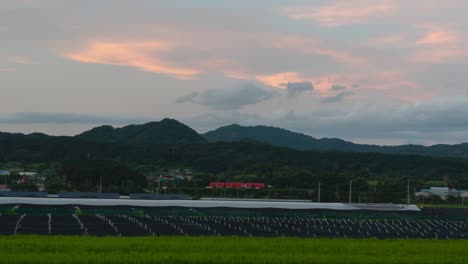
27, 174
442, 192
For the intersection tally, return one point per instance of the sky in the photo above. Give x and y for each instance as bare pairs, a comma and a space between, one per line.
382, 72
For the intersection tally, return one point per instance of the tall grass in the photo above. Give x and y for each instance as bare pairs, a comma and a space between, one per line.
50, 249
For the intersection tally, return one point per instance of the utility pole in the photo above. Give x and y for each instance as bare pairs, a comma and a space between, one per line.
100, 184
408, 192
350, 189
318, 200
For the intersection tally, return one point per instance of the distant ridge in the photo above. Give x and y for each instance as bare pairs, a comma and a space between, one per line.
170, 131
281, 137
167, 131
284, 138
275, 136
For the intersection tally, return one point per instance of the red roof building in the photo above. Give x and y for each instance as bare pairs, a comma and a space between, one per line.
237, 185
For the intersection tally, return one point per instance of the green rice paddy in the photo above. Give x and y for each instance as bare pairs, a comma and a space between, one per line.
50, 249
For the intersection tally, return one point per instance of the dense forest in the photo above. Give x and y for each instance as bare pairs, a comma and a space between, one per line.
285, 138
236, 161
121, 162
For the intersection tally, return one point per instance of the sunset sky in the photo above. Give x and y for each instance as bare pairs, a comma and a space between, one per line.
381, 72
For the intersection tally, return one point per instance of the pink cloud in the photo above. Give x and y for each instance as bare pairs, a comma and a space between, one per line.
7, 70
429, 37
346, 12
21, 60
429, 44
438, 37
142, 55
399, 40
204, 55
322, 84
279, 79
438, 56
310, 46
342, 13
160, 53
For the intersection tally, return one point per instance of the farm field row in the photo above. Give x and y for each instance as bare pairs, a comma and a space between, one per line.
60, 249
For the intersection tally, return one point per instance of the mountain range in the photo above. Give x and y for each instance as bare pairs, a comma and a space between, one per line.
285, 138
167, 131
170, 131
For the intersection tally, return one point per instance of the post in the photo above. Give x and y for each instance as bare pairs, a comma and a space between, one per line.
159, 185
318, 199
350, 190
408, 192
100, 184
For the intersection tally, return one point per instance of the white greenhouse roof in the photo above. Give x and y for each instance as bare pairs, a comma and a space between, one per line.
205, 204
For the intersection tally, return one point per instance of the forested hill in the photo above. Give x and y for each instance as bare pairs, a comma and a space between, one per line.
167, 131
245, 161
285, 138
169, 144
279, 137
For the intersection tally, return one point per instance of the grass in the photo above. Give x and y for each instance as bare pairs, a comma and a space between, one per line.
458, 205
45, 249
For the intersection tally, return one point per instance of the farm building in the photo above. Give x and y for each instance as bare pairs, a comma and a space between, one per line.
237, 185
442, 192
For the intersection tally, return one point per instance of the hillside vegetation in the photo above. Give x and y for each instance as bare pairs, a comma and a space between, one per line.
120, 157
285, 138
167, 131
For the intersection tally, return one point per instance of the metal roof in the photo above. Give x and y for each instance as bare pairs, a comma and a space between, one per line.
207, 204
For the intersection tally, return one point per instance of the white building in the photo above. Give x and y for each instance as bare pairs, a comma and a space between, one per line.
28, 174
442, 192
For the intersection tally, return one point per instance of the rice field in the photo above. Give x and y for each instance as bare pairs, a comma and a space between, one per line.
61, 249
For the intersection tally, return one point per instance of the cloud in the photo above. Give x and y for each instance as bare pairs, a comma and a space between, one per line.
21, 60
307, 46
279, 79
142, 55
440, 121
438, 37
7, 69
321, 84
229, 99
342, 13
187, 52
295, 88
336, 98
395, 50
65, 118
337, 88
187, 98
